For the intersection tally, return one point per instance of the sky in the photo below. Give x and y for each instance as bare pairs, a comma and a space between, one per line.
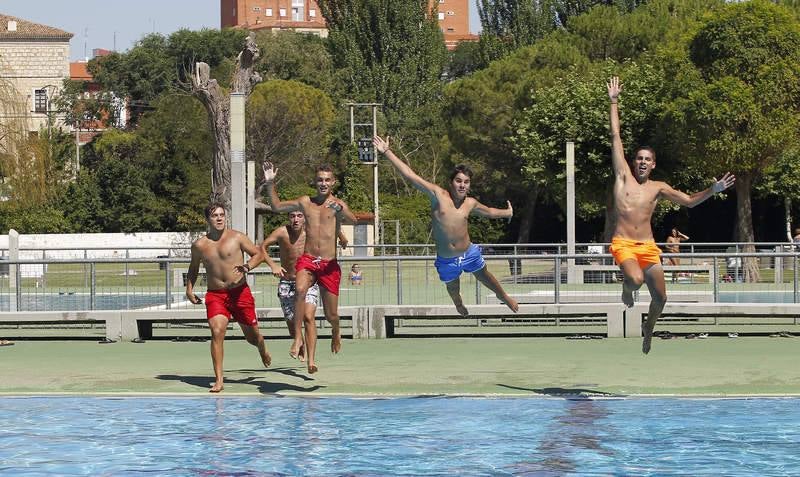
120, 23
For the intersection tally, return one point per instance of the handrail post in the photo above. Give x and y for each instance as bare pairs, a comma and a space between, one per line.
399, 283
795, 290
715, 280
93, 286
557, 280
17, 306
478, 290
168, 284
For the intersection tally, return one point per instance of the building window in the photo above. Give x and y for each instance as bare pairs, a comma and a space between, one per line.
297, 14
256, 9
441, 15
234, 11
451, 29
40, 101
450, 13
282, 12
312, 13
268, 12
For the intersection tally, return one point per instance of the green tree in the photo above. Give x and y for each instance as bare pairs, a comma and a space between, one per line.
287, 55
387, 51
288, 124
743, 116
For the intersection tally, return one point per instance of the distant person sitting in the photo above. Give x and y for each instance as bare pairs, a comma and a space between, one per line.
355, 275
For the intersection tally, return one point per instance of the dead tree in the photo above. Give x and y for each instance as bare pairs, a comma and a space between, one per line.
218, 106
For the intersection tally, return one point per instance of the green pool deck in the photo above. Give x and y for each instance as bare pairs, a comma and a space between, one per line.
713, 367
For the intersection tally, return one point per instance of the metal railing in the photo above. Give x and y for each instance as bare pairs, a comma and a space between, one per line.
545, 277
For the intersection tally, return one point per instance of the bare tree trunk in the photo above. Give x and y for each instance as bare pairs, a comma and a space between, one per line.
528, 212
744, 226
218, 107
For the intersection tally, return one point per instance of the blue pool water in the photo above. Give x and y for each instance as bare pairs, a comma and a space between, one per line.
410, 436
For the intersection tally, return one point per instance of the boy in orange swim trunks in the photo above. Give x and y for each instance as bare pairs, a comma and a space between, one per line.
635, 198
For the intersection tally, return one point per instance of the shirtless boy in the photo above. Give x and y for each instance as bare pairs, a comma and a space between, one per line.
324, 214
635, 198
450, 211
673, 246
221, 251
291, 240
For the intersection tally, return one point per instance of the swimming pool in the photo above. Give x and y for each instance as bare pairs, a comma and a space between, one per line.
401, 436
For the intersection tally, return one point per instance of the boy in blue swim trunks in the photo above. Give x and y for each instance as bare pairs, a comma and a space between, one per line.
450, 211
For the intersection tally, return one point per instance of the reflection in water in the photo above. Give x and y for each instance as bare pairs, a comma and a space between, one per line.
577, 430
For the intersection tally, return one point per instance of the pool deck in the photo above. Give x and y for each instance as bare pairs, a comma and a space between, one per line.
713, 367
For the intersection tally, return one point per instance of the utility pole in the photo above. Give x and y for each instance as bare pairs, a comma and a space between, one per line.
368, 155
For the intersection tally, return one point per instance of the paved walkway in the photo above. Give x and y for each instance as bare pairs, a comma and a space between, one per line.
493, 366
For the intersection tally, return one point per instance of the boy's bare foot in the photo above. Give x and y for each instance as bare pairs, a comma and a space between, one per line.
336, 341
294, 350
302, 355
627, 297
217, 387
462, 310
265, 357
510, 302
312, 368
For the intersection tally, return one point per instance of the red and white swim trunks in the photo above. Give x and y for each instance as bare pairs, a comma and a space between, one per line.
328, 272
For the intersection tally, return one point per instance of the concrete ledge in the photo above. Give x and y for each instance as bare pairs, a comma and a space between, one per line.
636, 315
382, 317
111, 319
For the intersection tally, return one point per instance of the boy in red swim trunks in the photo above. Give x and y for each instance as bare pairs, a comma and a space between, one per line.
635, 198
221, 251
324, 214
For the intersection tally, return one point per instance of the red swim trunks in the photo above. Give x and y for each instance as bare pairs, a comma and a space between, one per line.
237, 302
327, 272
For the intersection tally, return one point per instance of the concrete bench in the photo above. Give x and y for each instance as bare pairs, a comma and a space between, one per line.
580, 270
139, 323
754, 312
110, 319
381, 321
602, 296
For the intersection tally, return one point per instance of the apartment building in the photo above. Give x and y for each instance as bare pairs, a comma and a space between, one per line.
305, 16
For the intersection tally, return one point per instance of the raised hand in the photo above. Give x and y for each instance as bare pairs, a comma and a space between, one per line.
336, 206
269, 172
614, 88
380, 144
510, 210
720, 185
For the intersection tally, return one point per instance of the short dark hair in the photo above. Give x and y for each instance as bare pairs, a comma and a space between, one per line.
644, 148
462, 169
324, 168
211, 207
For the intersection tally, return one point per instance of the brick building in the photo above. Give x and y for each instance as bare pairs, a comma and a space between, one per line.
34, 58
305, 16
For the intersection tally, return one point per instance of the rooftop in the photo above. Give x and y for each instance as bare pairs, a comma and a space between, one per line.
13, 28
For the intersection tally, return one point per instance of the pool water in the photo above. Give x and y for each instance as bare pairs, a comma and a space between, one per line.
401, 436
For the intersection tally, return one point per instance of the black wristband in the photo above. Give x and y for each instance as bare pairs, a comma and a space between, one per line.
246, 266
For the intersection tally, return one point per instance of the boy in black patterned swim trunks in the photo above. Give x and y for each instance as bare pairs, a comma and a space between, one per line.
291, 240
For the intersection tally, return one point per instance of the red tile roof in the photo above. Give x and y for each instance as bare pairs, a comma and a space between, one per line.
78, 71
30, 31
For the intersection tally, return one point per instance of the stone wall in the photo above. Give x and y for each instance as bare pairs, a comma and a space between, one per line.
33, 65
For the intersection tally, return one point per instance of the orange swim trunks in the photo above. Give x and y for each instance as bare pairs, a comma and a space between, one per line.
646, 253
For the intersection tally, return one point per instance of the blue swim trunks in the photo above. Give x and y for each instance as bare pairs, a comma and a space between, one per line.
451, 268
